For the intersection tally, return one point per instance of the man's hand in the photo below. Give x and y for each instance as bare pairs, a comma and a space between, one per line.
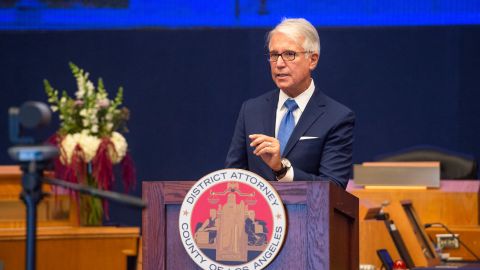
268, 148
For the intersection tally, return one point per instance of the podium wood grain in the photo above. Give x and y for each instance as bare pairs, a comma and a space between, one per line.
322, 224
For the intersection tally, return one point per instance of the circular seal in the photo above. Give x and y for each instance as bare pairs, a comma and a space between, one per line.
232, 219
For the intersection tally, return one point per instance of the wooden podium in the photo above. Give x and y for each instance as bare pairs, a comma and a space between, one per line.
322, 227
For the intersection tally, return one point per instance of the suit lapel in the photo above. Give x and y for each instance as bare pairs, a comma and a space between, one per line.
269, 116
314, 109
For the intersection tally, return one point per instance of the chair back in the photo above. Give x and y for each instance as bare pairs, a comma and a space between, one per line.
452, 165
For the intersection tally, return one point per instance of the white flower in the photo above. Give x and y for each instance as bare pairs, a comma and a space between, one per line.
94, 129
80, 86
109, 126
92, 113
90, 87
85, 122
109, 116
89, 145
120, 145
80, 93
68, 145
101, 95
54, 108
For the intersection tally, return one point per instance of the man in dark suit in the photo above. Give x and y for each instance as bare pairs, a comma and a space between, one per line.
296, 132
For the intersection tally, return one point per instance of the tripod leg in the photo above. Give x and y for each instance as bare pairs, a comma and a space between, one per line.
31, 196
31, 232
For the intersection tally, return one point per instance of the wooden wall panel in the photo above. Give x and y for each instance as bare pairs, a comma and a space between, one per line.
455, 203
73, 248
433, 205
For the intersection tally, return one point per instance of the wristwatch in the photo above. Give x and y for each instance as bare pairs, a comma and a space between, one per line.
285, 166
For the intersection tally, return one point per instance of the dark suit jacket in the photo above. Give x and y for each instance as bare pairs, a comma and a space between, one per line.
328, 157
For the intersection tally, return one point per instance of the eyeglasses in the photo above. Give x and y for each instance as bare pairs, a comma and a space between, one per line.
286, 55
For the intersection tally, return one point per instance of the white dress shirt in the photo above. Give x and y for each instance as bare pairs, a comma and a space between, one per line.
302, 101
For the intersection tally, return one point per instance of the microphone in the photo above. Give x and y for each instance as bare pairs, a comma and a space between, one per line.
441, 225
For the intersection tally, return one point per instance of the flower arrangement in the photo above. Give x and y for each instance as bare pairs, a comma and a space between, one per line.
88, 139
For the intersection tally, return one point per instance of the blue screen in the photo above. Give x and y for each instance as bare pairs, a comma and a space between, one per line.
109, 14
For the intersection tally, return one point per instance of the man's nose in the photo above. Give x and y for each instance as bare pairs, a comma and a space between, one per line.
280, 61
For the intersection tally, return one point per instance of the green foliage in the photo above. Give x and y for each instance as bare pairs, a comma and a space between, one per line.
89, 111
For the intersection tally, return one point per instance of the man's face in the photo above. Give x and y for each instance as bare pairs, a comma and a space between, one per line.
291, 76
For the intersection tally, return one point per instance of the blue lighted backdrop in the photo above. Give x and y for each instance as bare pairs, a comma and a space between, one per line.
44, 14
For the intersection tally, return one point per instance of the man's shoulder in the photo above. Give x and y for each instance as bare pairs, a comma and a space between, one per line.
268, 96
260, 104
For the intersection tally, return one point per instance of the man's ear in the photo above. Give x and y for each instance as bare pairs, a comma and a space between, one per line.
313, 61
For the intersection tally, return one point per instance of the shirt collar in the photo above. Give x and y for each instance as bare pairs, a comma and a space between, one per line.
301, 99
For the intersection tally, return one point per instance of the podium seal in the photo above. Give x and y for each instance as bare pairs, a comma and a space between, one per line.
232, 219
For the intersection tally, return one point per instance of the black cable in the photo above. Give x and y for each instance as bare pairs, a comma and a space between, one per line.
428, 225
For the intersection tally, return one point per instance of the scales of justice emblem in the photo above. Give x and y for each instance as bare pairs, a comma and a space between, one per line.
232, 219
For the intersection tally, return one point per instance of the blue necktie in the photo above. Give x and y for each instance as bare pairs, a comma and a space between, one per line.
287, 125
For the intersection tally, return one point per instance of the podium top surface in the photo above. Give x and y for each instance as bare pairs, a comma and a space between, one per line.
295, 192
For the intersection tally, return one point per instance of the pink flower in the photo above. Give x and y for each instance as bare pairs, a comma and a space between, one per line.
103, 103
79, 102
